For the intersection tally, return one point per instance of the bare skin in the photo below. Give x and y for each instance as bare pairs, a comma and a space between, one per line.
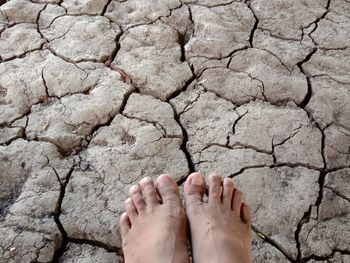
156, 231
220, 229
154, 227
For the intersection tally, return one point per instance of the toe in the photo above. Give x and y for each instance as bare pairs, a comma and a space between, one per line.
227, 192
149, 192
124, 224
130, 210
215, 182
246, 214
237, 201
137, 199
168, 189
194, 189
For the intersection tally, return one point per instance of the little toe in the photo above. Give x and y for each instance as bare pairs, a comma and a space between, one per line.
137, 199
237, 201
124, 224
168, 189
130, 210
227, 192
194, 189
246, 214
149, 192
215, 182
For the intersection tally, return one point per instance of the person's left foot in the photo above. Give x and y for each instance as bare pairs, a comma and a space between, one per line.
154, 229
221, 228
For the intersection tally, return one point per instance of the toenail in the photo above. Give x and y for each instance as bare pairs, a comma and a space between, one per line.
145, 180
228, 181
133, 189
163, 181
197, 180
213, 174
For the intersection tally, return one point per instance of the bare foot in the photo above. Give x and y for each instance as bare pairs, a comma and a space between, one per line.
220, 229
153, 230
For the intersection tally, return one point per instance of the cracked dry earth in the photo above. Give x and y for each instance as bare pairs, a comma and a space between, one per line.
96, 94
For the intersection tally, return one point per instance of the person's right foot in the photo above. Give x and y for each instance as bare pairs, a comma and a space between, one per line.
220, 229
154, 226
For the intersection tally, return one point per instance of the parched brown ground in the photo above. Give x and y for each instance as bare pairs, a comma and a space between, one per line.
96, 94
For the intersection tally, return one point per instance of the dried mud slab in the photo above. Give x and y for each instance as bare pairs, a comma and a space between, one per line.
84, 7
341, 8
25, 246
286, 19
18, 161
41, 75
133, 12
69, 121
337, 142
29, 182
76, 253
256, 134
332, 63
21, 11
200, 64
338, 182
139, 106
329, 103
35, 206
218, 31
286, 132
82, 38
21, 85
264, 252
119, 155
289, 51
237, 87
49, 14
332, 33
209, 121
329, 231
63, 78
280, 84
32, 217
9, 134
93, 200
229, 161
151, 57
180, 19
18, 40
282, 196
207, 118
31, 175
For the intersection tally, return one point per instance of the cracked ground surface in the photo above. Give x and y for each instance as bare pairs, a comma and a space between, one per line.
96, 94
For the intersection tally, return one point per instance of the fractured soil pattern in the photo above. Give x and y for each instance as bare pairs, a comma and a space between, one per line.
96, 94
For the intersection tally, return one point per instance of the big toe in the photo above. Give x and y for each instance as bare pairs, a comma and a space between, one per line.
168, 190
194, 189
